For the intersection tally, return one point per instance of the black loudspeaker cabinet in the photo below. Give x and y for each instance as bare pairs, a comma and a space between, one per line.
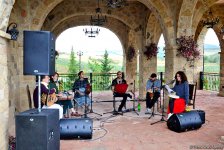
184, 121
76, 128
39, 53
38, 131
201, 114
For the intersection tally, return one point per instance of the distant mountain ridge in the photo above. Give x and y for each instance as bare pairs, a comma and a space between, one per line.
209, 47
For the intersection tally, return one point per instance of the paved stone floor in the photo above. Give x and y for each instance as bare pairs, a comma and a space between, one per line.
133, 132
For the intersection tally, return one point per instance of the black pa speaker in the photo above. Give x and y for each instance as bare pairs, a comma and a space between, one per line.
39, 53
38, 131
76, 128
184, 121
201, 114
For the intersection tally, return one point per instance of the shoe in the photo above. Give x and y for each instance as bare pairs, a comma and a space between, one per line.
148, 111
169, 115
129, 95
119, 109
76, 114
66, 116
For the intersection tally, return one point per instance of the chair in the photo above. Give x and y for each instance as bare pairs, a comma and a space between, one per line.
192, 94
29, 96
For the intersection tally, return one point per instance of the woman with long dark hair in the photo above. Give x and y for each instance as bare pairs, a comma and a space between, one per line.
181, 88
64, 99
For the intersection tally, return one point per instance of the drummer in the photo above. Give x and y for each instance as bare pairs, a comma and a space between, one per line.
153, 86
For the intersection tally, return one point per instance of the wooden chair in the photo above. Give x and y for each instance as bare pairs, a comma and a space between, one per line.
192, 94
29, 96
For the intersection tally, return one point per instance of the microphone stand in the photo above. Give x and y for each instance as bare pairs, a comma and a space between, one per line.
153, 112
132, 109
91, 97
163, 115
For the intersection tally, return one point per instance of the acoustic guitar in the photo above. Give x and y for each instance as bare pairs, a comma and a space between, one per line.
88, 89
48, 99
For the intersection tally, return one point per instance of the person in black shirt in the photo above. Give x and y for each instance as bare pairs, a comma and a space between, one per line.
120, 80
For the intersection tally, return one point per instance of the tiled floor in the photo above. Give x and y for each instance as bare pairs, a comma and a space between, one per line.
133, 132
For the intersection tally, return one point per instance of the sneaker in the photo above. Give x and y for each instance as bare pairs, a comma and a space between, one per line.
169, 115
148, 111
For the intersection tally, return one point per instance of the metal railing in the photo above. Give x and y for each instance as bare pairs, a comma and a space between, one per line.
99, 81
209, 81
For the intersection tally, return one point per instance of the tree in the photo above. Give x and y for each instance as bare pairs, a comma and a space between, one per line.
94, 64
73, 64
105, 68
73, 68
105, 63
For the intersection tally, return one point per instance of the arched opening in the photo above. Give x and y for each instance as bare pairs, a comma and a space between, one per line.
161, 55
88, 46
211, 52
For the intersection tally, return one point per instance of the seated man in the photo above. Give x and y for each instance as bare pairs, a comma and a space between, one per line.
153, 92
120, 80
45, 91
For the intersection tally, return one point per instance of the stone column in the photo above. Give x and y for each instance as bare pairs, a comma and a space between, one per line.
4, 92
140, 43
221, 86
131, 69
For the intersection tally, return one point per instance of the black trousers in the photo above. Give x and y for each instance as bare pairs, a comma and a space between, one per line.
171, 104
151, 101
123, 102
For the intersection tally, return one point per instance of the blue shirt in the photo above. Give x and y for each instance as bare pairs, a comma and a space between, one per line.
182, 90
157, 84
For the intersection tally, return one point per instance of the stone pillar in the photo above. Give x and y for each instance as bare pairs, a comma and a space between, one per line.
140, 43
221, 86
4, 92
131, 68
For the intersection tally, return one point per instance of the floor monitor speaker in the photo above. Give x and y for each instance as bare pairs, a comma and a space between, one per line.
184, 121
76, 128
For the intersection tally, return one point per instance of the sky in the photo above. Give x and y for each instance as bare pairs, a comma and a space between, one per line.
105, 40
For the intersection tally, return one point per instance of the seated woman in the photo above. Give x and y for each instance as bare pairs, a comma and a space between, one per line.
80, 90
63, 99
181, 88
46, 91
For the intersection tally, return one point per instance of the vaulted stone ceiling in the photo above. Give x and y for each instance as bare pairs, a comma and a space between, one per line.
72, 13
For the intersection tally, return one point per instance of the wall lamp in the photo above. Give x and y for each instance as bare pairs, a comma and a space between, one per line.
11, 29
